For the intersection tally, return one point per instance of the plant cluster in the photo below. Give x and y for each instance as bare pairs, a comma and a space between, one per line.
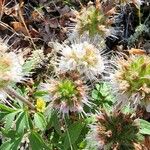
67, 93
132, 77
115, 131
76, 95
93, 20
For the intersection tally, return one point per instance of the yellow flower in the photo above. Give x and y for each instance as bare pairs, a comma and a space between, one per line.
40, 105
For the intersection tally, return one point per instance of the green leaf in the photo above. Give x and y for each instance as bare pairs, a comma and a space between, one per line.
90, 119
102, 96
53, 121
16, 142
3, 114
95, 94
22, 122
39, 121
12, 144
144, 127
98, 86
37, 142
72, 134
40, 93
9, 119
6, 108
56, 123
32, 62
9, 134
29, 65
6, 146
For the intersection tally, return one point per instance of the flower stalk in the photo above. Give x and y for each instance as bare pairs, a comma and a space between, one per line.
12, 92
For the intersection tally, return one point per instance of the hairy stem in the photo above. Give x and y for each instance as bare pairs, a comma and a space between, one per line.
12, 92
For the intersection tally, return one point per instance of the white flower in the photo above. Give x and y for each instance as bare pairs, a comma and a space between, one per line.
83, 57
10, 68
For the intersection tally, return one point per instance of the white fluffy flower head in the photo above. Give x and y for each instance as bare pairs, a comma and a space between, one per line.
10, 67
83, 57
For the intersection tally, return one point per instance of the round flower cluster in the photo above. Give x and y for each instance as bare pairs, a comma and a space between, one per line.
114, 131
10, 68
132, 78
83, 57
93, 21
67, 94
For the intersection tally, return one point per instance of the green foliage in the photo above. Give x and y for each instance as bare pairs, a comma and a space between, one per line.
4, 108
66, 133
102, 96
144, 127
40, 121
33, 61
37, 142
13, 142
72, 134
141, 29
54, 122
9, 118
18, 123
22, 122
40, 93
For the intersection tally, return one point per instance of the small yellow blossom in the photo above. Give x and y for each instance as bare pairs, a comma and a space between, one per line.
40, 105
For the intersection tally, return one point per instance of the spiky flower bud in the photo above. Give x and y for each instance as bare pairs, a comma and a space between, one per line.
93, 21
83, 57
133, 79
114, 131
67, 94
